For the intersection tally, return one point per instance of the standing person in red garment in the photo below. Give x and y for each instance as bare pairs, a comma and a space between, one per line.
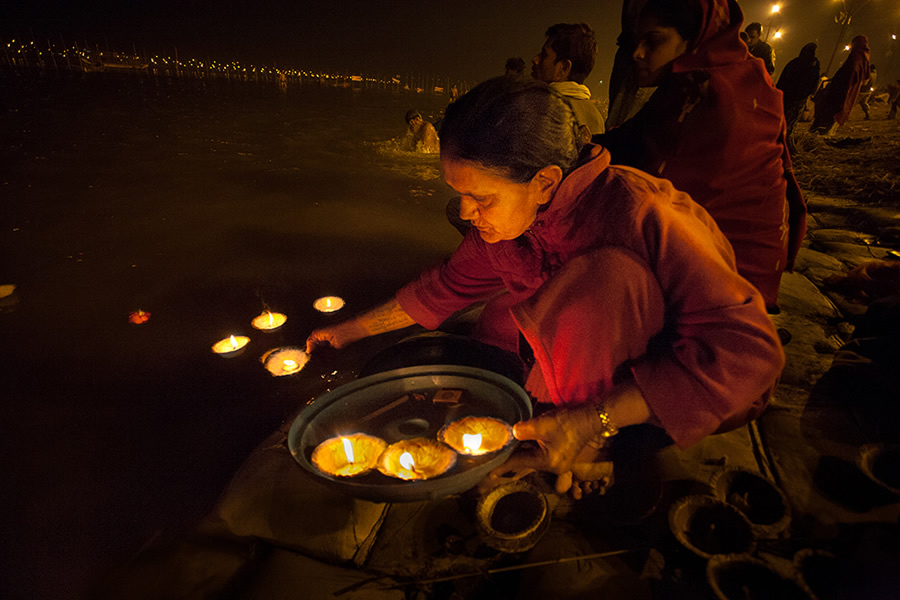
834, 103
715, 128
621, 294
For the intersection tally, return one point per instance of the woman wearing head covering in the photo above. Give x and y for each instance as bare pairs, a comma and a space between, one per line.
715, 128
798, 82
618, 291
834, 104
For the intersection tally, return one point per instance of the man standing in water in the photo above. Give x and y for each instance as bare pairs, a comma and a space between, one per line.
422, 135
565, 61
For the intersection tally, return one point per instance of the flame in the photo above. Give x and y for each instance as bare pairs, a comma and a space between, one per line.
348, 449
271, 319
327, 302
472, 441
234, 343
406, 461
290, 365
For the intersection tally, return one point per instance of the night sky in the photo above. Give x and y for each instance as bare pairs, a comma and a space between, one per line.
461, 39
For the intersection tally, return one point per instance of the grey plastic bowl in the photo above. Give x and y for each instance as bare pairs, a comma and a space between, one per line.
349, 409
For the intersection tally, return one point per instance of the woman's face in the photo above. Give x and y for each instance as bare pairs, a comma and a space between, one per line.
658, 45
499, 208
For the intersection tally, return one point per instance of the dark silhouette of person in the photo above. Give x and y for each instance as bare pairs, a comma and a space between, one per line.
798, 82
836, 100
759, 48
515, 67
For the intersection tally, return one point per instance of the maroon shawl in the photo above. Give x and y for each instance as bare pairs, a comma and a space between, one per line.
715, 128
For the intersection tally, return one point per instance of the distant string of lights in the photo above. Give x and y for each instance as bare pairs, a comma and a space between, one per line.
24, 53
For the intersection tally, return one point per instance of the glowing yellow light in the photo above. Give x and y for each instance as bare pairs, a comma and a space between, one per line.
472, 441
776, 8
778, 35
348, 450
406, 461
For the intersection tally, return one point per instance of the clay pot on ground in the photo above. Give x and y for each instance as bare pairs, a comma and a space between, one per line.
760, 500
708, 527
748, 578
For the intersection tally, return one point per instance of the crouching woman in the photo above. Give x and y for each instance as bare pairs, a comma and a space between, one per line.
618, 291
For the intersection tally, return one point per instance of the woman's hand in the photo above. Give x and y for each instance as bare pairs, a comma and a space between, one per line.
336, 336
569, 445
389, 316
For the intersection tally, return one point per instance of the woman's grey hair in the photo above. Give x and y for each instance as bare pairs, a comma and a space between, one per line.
514, 126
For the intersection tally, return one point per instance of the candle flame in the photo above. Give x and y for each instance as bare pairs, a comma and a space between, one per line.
271, 319
406, 461
289, 365
327, 302
234, 343
348, 449
472, 441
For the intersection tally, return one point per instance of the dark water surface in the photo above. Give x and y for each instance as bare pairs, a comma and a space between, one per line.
201, 203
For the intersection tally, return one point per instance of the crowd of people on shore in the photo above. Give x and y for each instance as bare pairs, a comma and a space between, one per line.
630, 264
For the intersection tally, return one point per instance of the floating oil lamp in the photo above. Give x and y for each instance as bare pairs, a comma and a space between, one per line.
416, 459
269, 321
348, 456
231, 346
476, 436
329, 304
284, 361
139, 317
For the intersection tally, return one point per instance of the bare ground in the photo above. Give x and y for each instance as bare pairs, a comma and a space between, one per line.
860, 162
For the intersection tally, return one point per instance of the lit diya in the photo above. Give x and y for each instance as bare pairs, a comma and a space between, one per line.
417, 458
138, 317
268, 321
329, 304
476, 435
348, 456
284, 361
231, 346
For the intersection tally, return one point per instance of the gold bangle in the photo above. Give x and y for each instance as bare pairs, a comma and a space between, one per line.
608, 429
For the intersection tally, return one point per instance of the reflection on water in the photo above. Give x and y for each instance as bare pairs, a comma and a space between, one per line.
161, 189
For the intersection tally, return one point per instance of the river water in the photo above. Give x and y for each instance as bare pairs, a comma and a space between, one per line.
202, 203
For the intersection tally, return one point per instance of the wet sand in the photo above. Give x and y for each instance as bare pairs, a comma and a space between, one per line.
201, 204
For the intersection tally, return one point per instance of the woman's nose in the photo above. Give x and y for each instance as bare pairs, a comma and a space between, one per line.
638, 53
467, 208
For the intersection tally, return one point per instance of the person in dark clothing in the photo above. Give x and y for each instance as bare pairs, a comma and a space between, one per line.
798, 82
515, 67
834, 103
759, 48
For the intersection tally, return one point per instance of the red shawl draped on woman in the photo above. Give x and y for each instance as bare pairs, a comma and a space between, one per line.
715, 128
836, 101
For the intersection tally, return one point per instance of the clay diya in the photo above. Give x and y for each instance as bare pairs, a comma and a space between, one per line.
476, 436
348, 456
416, 459
743, 577
268, 321
513, 516
284, 361
138, 317
764, 505
707, 527
329, 304
231, 346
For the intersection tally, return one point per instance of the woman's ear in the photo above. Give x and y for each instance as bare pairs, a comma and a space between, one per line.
546, 181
